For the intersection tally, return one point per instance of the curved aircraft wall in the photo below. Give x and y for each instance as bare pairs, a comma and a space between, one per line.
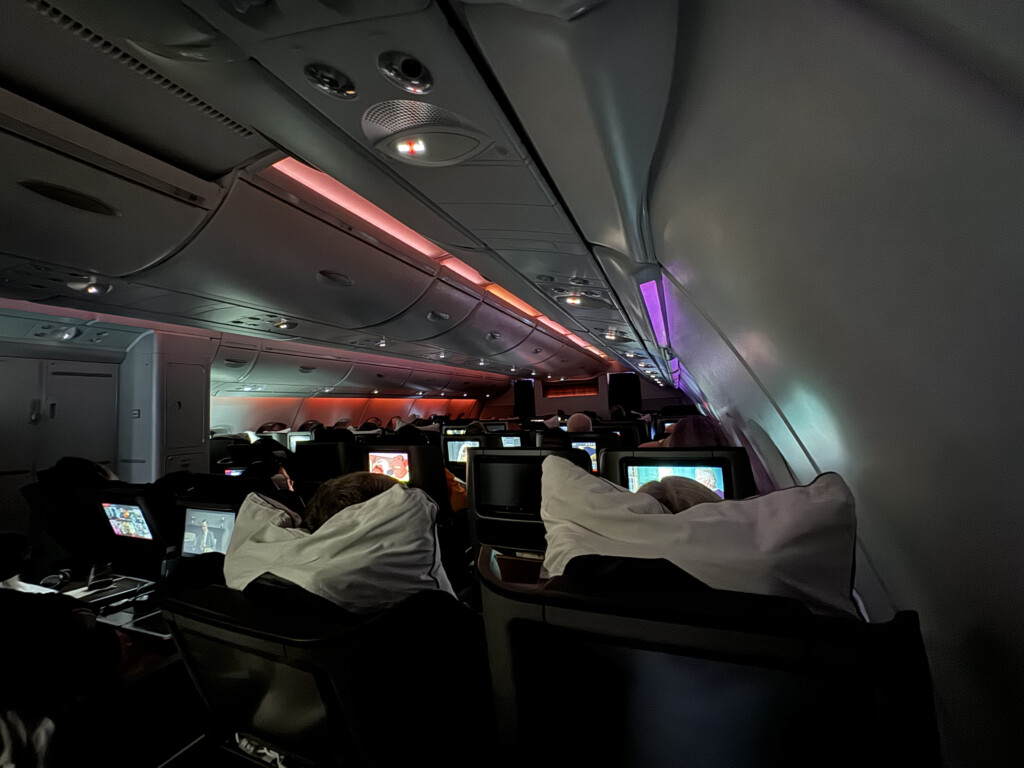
839, 215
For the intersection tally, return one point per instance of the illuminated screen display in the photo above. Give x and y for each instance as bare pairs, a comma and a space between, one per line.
455, 430
391, 463
712, 477
234, 471
515, 441
207, 530
590, 446
457, 449
127, 520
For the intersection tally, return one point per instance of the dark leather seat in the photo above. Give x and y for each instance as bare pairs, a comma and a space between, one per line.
333, 688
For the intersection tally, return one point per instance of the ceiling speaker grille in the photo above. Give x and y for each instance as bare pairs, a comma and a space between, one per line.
390, 117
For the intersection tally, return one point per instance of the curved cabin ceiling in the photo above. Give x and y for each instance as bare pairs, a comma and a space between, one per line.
206, 222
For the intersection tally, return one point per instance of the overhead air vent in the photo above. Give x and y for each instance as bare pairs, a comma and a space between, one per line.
405, 71
330, 81
106, 47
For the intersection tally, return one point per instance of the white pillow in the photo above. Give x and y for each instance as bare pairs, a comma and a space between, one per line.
366, 557
797, 542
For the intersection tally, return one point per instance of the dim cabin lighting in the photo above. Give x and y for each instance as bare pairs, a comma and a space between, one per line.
337, 193
441, 355
411, 147
382, 343
482, 362
610, 335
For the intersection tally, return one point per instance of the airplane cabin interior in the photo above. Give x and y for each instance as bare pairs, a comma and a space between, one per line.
771, 248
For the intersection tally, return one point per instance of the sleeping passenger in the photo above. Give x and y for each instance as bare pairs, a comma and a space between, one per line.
368, 542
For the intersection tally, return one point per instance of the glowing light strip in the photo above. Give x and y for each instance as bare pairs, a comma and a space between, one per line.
461, 268
512, 299
339, 194
652, 300
334, 191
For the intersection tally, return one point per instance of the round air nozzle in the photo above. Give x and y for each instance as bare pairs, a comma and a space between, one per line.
330, 81
405, 71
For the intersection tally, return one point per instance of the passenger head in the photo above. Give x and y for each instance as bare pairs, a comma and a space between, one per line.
370, 424
617, 413
579, 422
77, 471
696, 432
341, 492
679, 493
476, 428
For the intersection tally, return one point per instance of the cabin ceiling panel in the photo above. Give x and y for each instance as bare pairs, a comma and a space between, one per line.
58, 210
486, 332
442, 307
536, 348
259, 251
87, 78
535, 219
353, 49
280, 369
232, 364
563, 267
471, 183
363, 379
553, 248
428, 381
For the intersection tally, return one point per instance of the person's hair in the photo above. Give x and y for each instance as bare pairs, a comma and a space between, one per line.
617, 413
476, 428
340, 492
579, 422
696, 432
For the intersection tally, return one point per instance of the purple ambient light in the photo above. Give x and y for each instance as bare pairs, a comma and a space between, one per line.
649, 291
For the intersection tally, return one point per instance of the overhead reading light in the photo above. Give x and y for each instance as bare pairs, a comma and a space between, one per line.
610, 335
630, 355
513, 369
382, 343
419, 393
413, 147
486, 395
397, 126
465, 394
69, 333
574, 300
287, 325
376, 391
442, 354
482, 362
90, 285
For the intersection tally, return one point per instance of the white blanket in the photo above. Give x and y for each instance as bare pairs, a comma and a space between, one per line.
366, 557
798, 542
